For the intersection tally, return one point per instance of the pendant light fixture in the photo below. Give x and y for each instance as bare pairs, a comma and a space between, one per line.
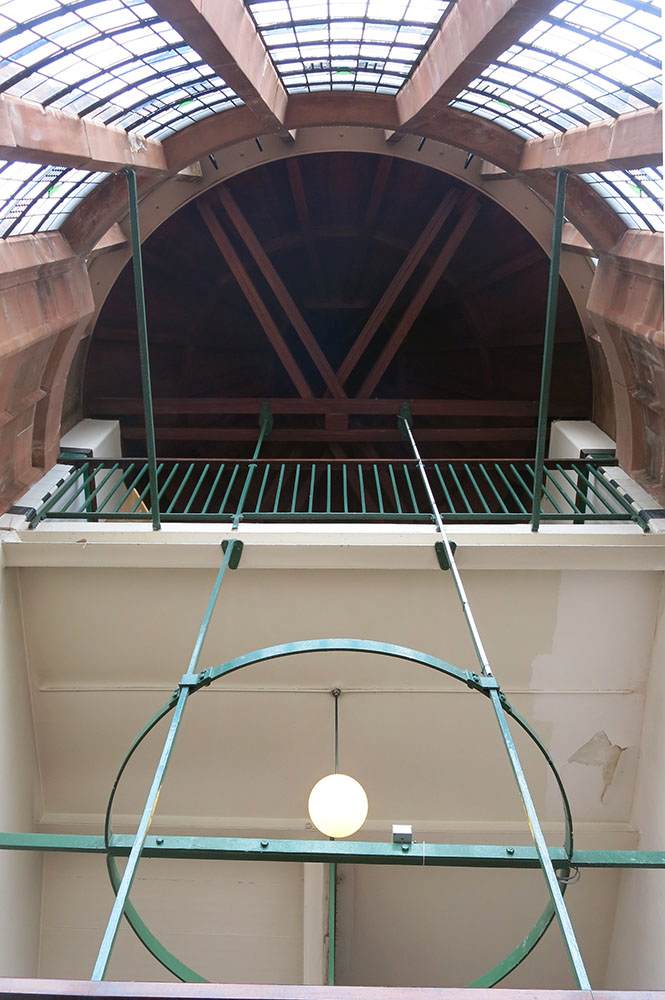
337, 803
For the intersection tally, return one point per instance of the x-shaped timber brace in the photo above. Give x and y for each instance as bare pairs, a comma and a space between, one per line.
556, 864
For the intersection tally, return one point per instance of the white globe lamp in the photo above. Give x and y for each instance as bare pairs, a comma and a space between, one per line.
338, 806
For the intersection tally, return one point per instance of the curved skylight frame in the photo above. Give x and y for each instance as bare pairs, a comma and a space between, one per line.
364, 45
587, 61
116, 62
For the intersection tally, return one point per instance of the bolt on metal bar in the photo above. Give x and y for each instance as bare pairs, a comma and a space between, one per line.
129, 873
548, 345
144, 353
540, 844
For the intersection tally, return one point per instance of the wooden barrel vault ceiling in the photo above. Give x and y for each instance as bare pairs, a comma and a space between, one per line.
325, 280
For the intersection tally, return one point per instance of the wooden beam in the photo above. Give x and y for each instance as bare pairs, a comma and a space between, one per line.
302, 212
34, 134
629, 141
415, 306
280, 291
396, 286
225, 36
471, 37
306, 434
105, 406
255, 301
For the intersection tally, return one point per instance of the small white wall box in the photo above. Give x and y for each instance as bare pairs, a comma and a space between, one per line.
402, 833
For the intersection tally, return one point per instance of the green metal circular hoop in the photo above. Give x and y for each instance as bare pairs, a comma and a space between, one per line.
181, 971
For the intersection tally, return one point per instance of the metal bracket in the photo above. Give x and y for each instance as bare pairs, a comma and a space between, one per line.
406, 416
442, 555
28, 512
190, 681
236, 551
265, 418
73, 453
607, 456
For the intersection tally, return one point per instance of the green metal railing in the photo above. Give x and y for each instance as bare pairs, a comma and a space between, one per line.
381, 491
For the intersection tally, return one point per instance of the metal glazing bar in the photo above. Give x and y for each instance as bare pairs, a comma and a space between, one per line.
144, 352
553, 886
548, 345
354, 852
129, 873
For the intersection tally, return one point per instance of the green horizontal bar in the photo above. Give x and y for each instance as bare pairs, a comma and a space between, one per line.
347, 852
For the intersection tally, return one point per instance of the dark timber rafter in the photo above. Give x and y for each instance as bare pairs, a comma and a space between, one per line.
396, 286
280, 291
254, 299
422, 294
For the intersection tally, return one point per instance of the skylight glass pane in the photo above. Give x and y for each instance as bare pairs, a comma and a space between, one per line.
34, 198
635, 195
102, 59
368, 45
586, 61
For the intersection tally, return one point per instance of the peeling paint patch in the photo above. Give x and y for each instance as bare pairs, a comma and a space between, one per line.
600, 752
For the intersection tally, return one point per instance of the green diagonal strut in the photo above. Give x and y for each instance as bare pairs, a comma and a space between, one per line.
499, 705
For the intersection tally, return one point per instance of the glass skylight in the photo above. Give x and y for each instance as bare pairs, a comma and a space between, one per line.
635, 195
368, 45
114, 61
587, 61
35, 198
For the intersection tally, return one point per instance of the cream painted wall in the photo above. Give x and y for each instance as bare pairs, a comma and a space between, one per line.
20, 874
637, 956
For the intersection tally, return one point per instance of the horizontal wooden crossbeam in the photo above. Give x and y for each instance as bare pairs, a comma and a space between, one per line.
353, 434
118, 406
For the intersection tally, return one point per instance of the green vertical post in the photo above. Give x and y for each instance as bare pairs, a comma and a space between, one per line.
332, 906
122, 896
144, 354
548, 345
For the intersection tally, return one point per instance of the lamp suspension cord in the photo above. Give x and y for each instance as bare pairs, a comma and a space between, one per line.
336, 692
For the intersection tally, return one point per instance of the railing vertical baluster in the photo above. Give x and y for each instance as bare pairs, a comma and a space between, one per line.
211, 493
460, 490
379, 491
493, 488
345, 492
510, 489
232, 479
312, 481
409, 484
361, 485
393, 482
278, 492
296, 484
196, 489
328, 490
262, 488
451, 506
479, 492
